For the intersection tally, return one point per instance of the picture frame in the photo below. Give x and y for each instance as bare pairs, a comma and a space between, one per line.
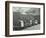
19, 18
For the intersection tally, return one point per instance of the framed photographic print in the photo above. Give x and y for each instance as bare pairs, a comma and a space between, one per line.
24, 18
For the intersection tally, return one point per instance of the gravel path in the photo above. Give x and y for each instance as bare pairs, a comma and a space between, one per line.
35, 27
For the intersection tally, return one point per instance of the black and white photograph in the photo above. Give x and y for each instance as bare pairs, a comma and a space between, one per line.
24, 18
